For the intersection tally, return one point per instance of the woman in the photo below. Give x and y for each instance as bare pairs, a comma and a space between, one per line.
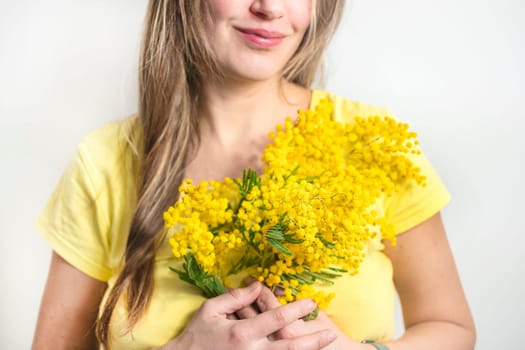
215, 77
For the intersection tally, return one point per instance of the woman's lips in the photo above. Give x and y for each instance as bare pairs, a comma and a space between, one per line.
261, 38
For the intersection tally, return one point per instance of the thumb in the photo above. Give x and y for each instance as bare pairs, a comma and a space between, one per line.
236, 299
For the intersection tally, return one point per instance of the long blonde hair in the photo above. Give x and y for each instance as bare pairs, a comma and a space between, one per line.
174, 57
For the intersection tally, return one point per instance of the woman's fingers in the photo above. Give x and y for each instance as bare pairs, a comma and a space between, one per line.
247, 312
273, 320
267, 300
233, 300
215, 324
314, 341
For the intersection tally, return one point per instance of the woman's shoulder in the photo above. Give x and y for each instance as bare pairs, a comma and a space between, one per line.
345, 109
111, 137
110, 149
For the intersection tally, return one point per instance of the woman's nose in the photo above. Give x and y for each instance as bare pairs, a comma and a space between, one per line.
268, 9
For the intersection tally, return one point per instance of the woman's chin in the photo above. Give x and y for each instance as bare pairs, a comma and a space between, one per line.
254, 78
254, 73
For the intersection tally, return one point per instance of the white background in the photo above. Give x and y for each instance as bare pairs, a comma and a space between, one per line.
453, 69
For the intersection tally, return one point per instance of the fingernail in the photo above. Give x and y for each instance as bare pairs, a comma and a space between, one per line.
253, 285
312, 304
249, 280
331, 335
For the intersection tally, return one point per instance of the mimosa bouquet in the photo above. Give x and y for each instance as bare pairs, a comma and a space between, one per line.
306, 219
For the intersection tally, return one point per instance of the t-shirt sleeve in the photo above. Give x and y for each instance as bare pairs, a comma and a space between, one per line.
72, 222
413, 203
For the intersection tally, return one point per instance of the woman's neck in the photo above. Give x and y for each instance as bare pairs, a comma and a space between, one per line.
234, 111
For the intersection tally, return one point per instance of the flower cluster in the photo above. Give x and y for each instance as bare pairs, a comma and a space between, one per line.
307, 218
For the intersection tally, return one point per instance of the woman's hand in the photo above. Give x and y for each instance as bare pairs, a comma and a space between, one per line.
267, 301
213, 328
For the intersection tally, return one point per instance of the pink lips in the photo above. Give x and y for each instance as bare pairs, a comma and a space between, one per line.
261, 38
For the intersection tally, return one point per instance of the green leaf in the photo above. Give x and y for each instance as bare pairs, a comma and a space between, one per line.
194, 274
312, 315
275, 233
326, 243
215, 230
241, 189
292, 173
317, 276
302, 279
249, 180
278, 230
279, 246
338, 269
292, 239
309, 179
182, 275
328, 274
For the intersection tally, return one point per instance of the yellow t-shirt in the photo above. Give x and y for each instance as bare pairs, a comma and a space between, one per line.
87, 219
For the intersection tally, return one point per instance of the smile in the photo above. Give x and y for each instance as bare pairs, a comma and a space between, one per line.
261, 38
